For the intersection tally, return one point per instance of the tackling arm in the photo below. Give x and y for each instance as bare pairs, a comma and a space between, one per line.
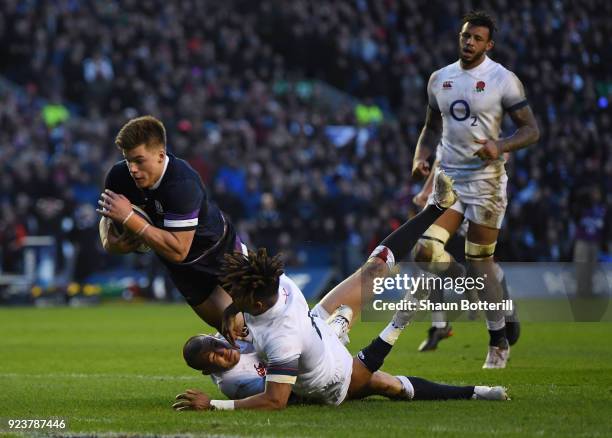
274, 397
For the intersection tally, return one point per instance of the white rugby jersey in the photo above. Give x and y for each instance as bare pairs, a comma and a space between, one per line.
245, 379
472, 104
299, 348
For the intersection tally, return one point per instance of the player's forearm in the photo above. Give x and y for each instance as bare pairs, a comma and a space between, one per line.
522, 137
425, 144
262, 401
165, 244
428, 186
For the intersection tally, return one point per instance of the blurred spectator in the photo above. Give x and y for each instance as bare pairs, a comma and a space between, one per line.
589, 233
233, 83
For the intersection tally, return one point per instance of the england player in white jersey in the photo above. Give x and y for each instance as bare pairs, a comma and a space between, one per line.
241, 372
302, 353
467, 102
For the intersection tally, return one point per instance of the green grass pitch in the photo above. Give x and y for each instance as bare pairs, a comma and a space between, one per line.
115, 369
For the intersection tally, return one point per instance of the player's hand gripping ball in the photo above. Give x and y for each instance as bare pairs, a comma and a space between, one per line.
118, 228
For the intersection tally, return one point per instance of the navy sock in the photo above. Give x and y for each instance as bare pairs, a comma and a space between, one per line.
374, 354
426, 390
401, 241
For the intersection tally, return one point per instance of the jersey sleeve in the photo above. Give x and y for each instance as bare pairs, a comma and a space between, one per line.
513, 97
431, 96
182, 205
283, 353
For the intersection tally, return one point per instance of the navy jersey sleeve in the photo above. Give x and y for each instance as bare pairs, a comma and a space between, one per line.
182, 204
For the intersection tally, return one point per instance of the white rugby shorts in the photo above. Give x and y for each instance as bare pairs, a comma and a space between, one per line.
482, 201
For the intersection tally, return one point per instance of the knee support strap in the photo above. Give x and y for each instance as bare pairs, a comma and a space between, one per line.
434, 240
476, 251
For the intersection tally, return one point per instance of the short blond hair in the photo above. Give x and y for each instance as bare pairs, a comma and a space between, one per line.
145, 130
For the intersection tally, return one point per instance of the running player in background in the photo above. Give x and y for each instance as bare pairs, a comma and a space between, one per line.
440, 326
467, 102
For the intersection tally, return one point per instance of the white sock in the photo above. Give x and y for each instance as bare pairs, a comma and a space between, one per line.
496, 325
408, 389
438, 319
480, 391
391, 333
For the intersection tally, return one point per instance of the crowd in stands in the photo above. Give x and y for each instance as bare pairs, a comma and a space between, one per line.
239, 85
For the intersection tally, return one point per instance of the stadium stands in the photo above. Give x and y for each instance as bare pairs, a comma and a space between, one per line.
241, 88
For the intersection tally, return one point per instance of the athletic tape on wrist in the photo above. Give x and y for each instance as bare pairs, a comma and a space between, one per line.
143, 229
127, 218
222, 405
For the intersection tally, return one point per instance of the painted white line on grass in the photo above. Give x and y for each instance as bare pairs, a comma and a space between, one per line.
97, 376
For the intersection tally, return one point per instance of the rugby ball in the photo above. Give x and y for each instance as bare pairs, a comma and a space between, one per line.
106, 223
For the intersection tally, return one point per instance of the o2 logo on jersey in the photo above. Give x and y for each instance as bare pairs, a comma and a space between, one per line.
458, 107
460, 111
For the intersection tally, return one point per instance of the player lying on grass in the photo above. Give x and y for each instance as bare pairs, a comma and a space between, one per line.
240, 373
302, 353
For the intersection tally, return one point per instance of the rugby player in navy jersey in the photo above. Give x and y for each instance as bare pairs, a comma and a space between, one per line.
188, 232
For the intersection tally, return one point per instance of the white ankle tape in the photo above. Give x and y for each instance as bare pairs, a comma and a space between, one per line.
407, 386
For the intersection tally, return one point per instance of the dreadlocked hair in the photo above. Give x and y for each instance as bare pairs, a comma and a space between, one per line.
254, 276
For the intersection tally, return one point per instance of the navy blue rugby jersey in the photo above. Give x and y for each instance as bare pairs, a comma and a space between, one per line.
178, 203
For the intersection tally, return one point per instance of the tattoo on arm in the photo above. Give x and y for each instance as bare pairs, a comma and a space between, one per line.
430, 134
527, 130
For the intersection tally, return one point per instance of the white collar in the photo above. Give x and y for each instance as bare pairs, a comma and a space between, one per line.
483, 65
156, 185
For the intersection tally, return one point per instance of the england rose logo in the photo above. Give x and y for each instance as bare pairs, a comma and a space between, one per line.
480, 85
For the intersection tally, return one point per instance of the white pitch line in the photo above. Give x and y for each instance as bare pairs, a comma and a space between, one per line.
97, 376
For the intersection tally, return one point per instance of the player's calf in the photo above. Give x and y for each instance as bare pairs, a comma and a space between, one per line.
481, 264
417, 388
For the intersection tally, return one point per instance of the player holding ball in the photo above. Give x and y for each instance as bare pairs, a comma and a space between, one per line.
185, 229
